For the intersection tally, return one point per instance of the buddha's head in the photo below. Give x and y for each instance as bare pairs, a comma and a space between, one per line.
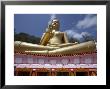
55, 24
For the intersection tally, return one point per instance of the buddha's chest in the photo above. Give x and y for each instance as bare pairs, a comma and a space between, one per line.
56, 39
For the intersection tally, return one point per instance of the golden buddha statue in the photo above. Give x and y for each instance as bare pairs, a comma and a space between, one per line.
56, 37
54, 42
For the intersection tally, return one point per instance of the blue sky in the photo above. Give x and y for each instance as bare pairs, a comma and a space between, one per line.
75, 25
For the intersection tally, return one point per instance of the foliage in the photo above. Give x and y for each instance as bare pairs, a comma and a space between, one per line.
26, 38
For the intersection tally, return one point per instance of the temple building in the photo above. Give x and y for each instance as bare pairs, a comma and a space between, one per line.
55, 56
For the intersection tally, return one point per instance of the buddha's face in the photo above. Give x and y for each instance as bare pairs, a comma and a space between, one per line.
55, 24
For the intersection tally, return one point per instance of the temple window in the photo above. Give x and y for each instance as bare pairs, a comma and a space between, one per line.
18, 60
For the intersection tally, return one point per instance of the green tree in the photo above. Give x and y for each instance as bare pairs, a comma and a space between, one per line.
26, 38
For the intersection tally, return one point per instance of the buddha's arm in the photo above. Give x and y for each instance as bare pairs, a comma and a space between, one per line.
66, 38
45, 38
42, 38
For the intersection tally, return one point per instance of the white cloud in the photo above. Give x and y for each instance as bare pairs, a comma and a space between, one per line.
79, 36
72, 34
87, 22
85, 34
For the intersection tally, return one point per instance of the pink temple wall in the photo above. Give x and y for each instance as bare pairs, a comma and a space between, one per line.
81, 59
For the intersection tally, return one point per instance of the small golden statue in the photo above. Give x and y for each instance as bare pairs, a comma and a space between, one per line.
54, 42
